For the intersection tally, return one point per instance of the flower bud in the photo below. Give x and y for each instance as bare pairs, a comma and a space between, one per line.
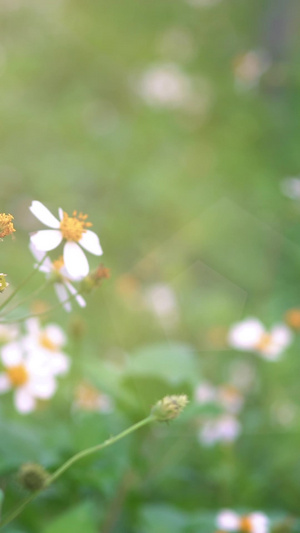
94, 279
32, 476
3, 282
169, 407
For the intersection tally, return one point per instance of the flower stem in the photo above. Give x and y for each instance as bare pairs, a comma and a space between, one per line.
22, 284
46, 312
31, 295
71, 461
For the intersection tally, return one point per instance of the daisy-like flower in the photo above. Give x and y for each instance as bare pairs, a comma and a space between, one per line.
27, 377
255, 522
56, 271
45, 346
73, 231
225, 428
230, 398
251, 335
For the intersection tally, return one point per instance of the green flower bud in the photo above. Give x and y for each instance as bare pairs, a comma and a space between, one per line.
32, 476
169, 407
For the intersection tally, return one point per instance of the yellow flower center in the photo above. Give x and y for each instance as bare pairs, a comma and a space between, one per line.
47, 343
18, 375
265, 342
245, 524
6, 225
73, 227
58, 263
292, 318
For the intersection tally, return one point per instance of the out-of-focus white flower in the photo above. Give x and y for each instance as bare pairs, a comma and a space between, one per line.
249, 67
70, 229
251, 335
205, 393
228, 520
162, 301
225, 428
255, 522
165, 86
8, 333
45, 346
290, 187
88, 398
61, 280
29, 379
230, 398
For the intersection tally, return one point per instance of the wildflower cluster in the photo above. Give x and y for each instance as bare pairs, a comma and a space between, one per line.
255, 522
224, 427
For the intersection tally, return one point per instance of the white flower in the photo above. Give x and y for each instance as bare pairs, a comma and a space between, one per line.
205, 393
225, 428
45, 346
165, 86
61, 278
70, 229
30, 381
255, 522
228, 520
251, 335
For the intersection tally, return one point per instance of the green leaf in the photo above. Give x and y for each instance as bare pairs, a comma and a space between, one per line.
172, 362
77, 520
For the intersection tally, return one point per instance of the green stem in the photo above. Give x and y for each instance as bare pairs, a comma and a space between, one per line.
26, 280
73, 460
33, 315
33, 294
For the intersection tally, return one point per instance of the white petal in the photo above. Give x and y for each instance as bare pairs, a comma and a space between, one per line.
60, 213
80, 300
33, 326
63, 295
75, 261
55, 334
11, 354
24, 401
46, 240
59, 363
246, 335
228, 520
42, 388
36, 253
90, 241
259, 522
281, 335
5, 384
44, 215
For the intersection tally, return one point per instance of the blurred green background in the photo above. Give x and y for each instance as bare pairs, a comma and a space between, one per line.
185, 191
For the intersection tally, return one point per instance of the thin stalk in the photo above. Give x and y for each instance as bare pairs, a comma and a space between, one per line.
46, 312
22, 284
31, 295
71, 461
